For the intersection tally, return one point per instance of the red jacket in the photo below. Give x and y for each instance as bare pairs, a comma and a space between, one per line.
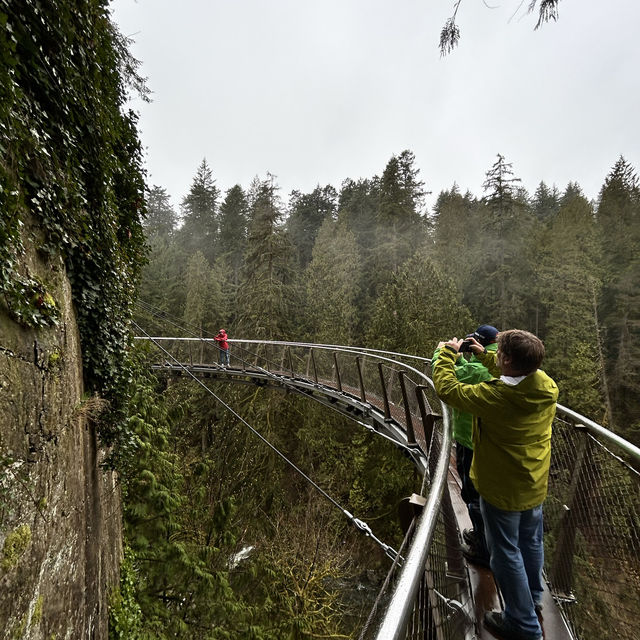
221, 339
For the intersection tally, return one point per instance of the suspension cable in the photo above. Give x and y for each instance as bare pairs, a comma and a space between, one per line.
159, 314
359, 524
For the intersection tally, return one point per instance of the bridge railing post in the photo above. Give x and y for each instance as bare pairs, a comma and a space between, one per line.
313, 366
385, 396
282, 357
411, 438
337, 369
363, 393
291, 369
428, 417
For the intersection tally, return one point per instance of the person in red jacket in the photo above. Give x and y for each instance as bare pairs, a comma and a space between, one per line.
223, 346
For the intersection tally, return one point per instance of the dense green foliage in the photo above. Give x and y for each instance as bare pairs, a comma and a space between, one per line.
70, 178
367, 265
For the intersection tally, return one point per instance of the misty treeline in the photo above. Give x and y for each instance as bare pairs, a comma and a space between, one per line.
367, 265
224, 540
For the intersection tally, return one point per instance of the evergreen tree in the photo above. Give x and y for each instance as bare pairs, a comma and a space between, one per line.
307, 212
161, 218
570, 279
332, 280
266, 295
358, 207
502, 286
399, 227
571, 191
199, 231
618, 217
233, 231
161, 289
417, 309
203, 295
457, 225
545, 202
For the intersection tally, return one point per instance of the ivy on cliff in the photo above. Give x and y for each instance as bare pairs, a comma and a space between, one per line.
71, 161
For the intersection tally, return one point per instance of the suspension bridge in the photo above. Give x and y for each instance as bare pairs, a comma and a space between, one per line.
592, 512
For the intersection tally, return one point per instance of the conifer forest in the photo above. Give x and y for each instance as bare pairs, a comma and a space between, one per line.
221, 540
365, 264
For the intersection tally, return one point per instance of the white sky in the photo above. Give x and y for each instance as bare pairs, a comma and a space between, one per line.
316, 92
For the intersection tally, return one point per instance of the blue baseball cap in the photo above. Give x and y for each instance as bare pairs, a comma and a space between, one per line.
485, 334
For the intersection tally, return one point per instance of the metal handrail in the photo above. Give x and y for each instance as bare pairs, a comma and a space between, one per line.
600, 432
398, 614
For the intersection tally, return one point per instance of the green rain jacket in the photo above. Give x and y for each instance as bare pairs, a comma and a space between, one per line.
512, 436
470, 371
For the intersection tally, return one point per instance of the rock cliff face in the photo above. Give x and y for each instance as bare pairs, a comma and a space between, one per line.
60, 515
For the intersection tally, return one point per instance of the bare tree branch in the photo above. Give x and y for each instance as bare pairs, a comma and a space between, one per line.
450, 34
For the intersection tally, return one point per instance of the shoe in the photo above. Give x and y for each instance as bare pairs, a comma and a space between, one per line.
496, 623
470, 536
475, 556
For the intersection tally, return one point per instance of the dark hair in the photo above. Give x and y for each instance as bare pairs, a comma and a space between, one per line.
525, 350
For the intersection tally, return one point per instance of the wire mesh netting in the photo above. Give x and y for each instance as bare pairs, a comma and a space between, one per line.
592, 536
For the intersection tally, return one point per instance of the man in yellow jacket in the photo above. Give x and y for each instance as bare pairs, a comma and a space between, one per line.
510, 467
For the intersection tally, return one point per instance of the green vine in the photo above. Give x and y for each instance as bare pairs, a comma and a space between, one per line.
71, 161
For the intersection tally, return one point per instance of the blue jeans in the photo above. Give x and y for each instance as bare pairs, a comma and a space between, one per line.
223, 356
517, 555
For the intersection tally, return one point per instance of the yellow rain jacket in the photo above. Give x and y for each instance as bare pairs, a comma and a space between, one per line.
512, 436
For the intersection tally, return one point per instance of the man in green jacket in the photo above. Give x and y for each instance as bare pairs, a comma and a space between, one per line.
510, 467
471, 371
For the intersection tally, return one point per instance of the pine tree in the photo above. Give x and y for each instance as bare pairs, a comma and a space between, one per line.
233, 231
545, 202
266, 295
203, 296
618, 217
503, 274
332, 280
399, 228
161, 289
199, 231
161, 218
570, 280
457, 224
307, 212
358, 207
417, 309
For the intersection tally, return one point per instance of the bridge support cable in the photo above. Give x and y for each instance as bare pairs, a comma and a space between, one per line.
387, 582
409, 447
362, 526
307, 387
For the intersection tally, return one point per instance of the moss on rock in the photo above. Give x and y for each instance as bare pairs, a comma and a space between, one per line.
15, 545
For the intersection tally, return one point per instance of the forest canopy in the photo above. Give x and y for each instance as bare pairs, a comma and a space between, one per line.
362, 264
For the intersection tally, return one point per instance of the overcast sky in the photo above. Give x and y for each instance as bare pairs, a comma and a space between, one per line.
316, 92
